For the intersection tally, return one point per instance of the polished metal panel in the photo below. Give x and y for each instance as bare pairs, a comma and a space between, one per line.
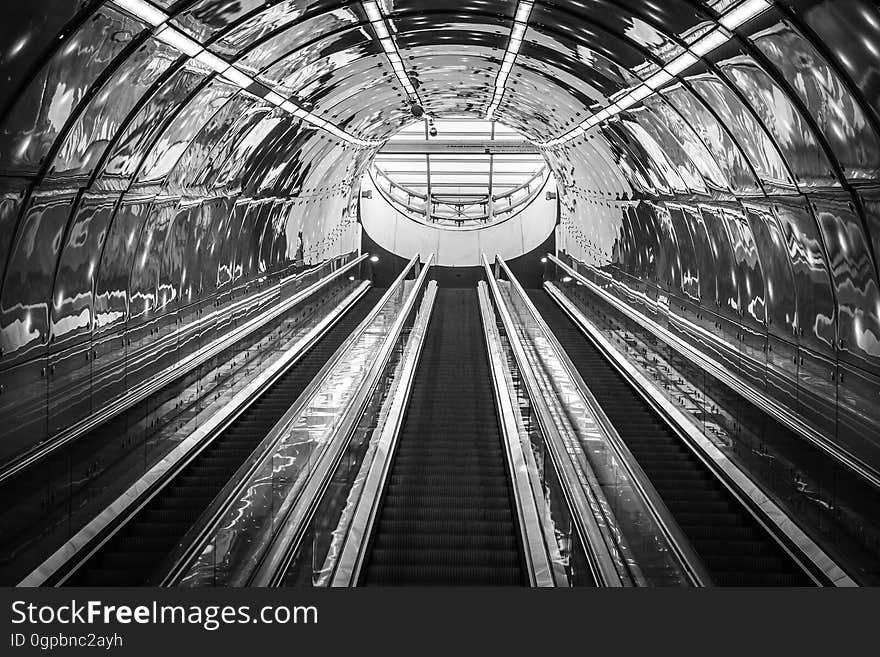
12, 195
816, 326
783, 121
824, 93
72, 313
27, 288
757, 169
854, 275
717, 138
40, 112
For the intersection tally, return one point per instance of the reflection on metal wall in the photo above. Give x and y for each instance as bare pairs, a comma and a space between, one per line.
138, 184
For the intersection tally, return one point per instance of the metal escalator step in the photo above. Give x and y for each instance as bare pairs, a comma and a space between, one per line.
446, 516
443, 575
461, 555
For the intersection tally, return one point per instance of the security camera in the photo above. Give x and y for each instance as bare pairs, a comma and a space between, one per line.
432, 131
417, 110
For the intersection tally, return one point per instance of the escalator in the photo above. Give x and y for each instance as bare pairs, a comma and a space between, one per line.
133, 554
735, 548
447, 516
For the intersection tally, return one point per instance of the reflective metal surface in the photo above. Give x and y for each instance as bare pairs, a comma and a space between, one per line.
139, 188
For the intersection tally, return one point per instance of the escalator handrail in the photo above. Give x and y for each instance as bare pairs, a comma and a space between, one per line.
808, 554
603, 564
685, 554
768, 405
193, 543
91, 422
354, 551
285, 544
536, 537
66, 560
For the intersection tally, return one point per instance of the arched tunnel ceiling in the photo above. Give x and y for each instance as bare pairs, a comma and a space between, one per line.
111, 139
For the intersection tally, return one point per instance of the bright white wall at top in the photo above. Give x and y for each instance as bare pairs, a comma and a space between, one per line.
405, 237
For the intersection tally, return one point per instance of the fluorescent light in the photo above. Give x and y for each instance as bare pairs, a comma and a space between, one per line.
381, 30
640, 93
523, 10
517, 34
212, 61
178, 40
626, 102
143, 10
195, 50
659, 79
377, 21
743, 13
243, 80
715, 39
681, 63
274, 98
372, 9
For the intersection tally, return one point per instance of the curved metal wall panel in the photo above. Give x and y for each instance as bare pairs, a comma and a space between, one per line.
138, 187
824, 93
40, 113
30, 274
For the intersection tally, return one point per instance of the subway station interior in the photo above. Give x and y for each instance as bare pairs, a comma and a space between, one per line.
551, 293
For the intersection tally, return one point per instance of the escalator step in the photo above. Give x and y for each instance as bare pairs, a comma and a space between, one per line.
447, 513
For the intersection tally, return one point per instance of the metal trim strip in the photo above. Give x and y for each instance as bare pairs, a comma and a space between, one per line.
537, 538
602, 562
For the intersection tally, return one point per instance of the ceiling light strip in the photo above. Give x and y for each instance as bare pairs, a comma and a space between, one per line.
196, 51
713, 40
380, 27
517, 34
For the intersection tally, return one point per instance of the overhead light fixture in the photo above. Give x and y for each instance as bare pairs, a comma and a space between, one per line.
242, 80
713, 40
517, 34
681, 63
389, 47
743, 13
179, 41
196, 51
374, 258
143, 10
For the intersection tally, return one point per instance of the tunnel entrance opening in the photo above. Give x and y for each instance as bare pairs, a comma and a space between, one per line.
459, 172
458, 187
